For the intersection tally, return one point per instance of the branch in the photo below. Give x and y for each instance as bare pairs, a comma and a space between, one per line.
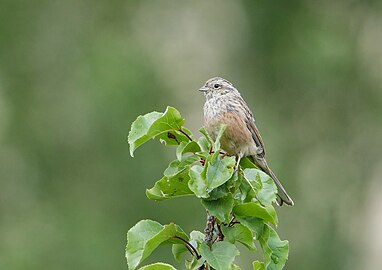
185, 134
209, 230
220, 234
190, 247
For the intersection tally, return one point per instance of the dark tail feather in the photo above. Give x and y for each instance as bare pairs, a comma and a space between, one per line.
282, 195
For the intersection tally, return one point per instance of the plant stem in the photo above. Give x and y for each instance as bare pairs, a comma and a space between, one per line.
185, 134
220, 234
233, 222
190, 247
209, 230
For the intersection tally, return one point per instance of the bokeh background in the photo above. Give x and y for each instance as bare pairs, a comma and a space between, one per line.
75, 74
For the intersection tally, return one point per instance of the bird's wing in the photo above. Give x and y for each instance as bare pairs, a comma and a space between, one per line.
250, 122
259, 158
256, 137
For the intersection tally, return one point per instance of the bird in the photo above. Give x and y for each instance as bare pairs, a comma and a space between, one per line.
241, 138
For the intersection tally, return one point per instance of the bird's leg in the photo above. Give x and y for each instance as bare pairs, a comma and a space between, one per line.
237, 162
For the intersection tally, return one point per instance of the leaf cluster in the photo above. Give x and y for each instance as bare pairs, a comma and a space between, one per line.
237, 197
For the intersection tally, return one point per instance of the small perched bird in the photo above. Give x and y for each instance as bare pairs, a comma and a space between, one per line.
224, 105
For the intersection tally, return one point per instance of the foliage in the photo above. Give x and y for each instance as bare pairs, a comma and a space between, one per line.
238, 201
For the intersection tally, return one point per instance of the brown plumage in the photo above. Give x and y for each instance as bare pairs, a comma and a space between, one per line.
224, 105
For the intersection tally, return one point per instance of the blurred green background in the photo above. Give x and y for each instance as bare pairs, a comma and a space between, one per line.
75, 74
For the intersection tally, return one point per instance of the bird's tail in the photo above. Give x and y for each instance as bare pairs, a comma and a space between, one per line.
282, 195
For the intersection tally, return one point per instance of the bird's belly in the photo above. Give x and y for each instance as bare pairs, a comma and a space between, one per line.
237, 139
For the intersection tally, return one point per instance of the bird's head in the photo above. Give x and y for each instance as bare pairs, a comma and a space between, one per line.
217, 86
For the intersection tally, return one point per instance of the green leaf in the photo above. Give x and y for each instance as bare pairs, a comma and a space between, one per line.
169, 188
256, 225
198, 182
220, 208
228, 187
158, 266
187, 131
177, 166
186, 147
262, 184
139, 129
218, 193
221, 256
275, 251
172, 169
234, 182
246, 162
185, 135
189, 160
204, 145
258, 265
196, 237
165, 126
145, 236
239, 233
234, 267
170, 120
243, 191
254, 209
194, 264
216, 146
206, 135
177, 250
220, 171
250, 175
172, 137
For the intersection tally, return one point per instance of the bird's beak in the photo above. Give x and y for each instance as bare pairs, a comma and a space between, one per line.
203, 89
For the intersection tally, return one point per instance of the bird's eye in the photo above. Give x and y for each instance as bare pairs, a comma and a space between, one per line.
216, 86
